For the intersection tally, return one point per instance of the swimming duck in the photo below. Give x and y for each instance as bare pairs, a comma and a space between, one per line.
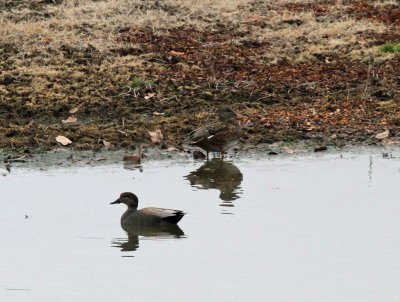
218, 136
146, 216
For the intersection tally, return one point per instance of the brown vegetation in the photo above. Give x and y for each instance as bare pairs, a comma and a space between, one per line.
293, 69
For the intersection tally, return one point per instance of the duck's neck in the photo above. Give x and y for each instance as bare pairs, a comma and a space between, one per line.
129, 211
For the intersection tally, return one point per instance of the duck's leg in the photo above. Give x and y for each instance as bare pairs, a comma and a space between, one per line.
207, 154
222, 154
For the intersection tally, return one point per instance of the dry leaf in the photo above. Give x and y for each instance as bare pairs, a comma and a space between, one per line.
156, 136
149, 96
382, 135
288, 150
74, 110
71, 120
106, 144
132, 158
63, 140
158, 113
176, 53
309, 126
253, 19
227, 14
171, 148
276, 144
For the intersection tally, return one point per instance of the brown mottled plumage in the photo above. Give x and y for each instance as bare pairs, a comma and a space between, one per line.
146, 216
218, 136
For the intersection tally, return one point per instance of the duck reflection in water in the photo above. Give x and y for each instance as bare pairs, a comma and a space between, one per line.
162, 232
154, 223
220, 175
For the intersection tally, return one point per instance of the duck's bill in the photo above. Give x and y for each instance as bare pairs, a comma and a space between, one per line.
115, 202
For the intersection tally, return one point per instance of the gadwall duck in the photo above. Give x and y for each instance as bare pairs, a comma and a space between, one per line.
218, 136
146, 216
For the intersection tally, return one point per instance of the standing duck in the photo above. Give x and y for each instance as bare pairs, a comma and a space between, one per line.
146, 216
218, 136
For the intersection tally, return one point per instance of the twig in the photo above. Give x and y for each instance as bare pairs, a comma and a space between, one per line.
16, 160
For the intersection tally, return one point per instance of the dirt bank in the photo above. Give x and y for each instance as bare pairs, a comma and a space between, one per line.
104, 73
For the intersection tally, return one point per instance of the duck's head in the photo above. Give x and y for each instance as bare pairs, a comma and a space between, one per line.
226, 114
127, 198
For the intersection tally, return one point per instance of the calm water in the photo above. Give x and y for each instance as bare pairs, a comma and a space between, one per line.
299, 228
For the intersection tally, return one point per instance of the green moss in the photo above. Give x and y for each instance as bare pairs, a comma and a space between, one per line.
137, 83
391, 47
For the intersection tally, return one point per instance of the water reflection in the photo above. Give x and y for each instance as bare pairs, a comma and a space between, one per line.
130, 244
220, 175
132, 166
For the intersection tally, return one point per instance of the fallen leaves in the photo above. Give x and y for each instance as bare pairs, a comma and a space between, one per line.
74, 110
106, 144
71, 120
156, 136
177, 54
149, 96
290, 95
65, 141
288, 150
382, 135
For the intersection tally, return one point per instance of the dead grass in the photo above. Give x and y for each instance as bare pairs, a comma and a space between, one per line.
57, 55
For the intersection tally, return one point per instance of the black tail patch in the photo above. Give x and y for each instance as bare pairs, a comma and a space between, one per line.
176, 218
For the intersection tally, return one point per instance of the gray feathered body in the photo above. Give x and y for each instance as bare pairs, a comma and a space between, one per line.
151, 216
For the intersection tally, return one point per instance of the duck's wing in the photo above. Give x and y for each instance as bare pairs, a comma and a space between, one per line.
224, 140
205, 131
170, 215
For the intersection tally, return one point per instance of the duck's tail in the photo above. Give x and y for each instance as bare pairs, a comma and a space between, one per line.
174, 217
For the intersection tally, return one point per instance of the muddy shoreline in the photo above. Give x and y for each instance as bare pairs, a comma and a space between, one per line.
67, 158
